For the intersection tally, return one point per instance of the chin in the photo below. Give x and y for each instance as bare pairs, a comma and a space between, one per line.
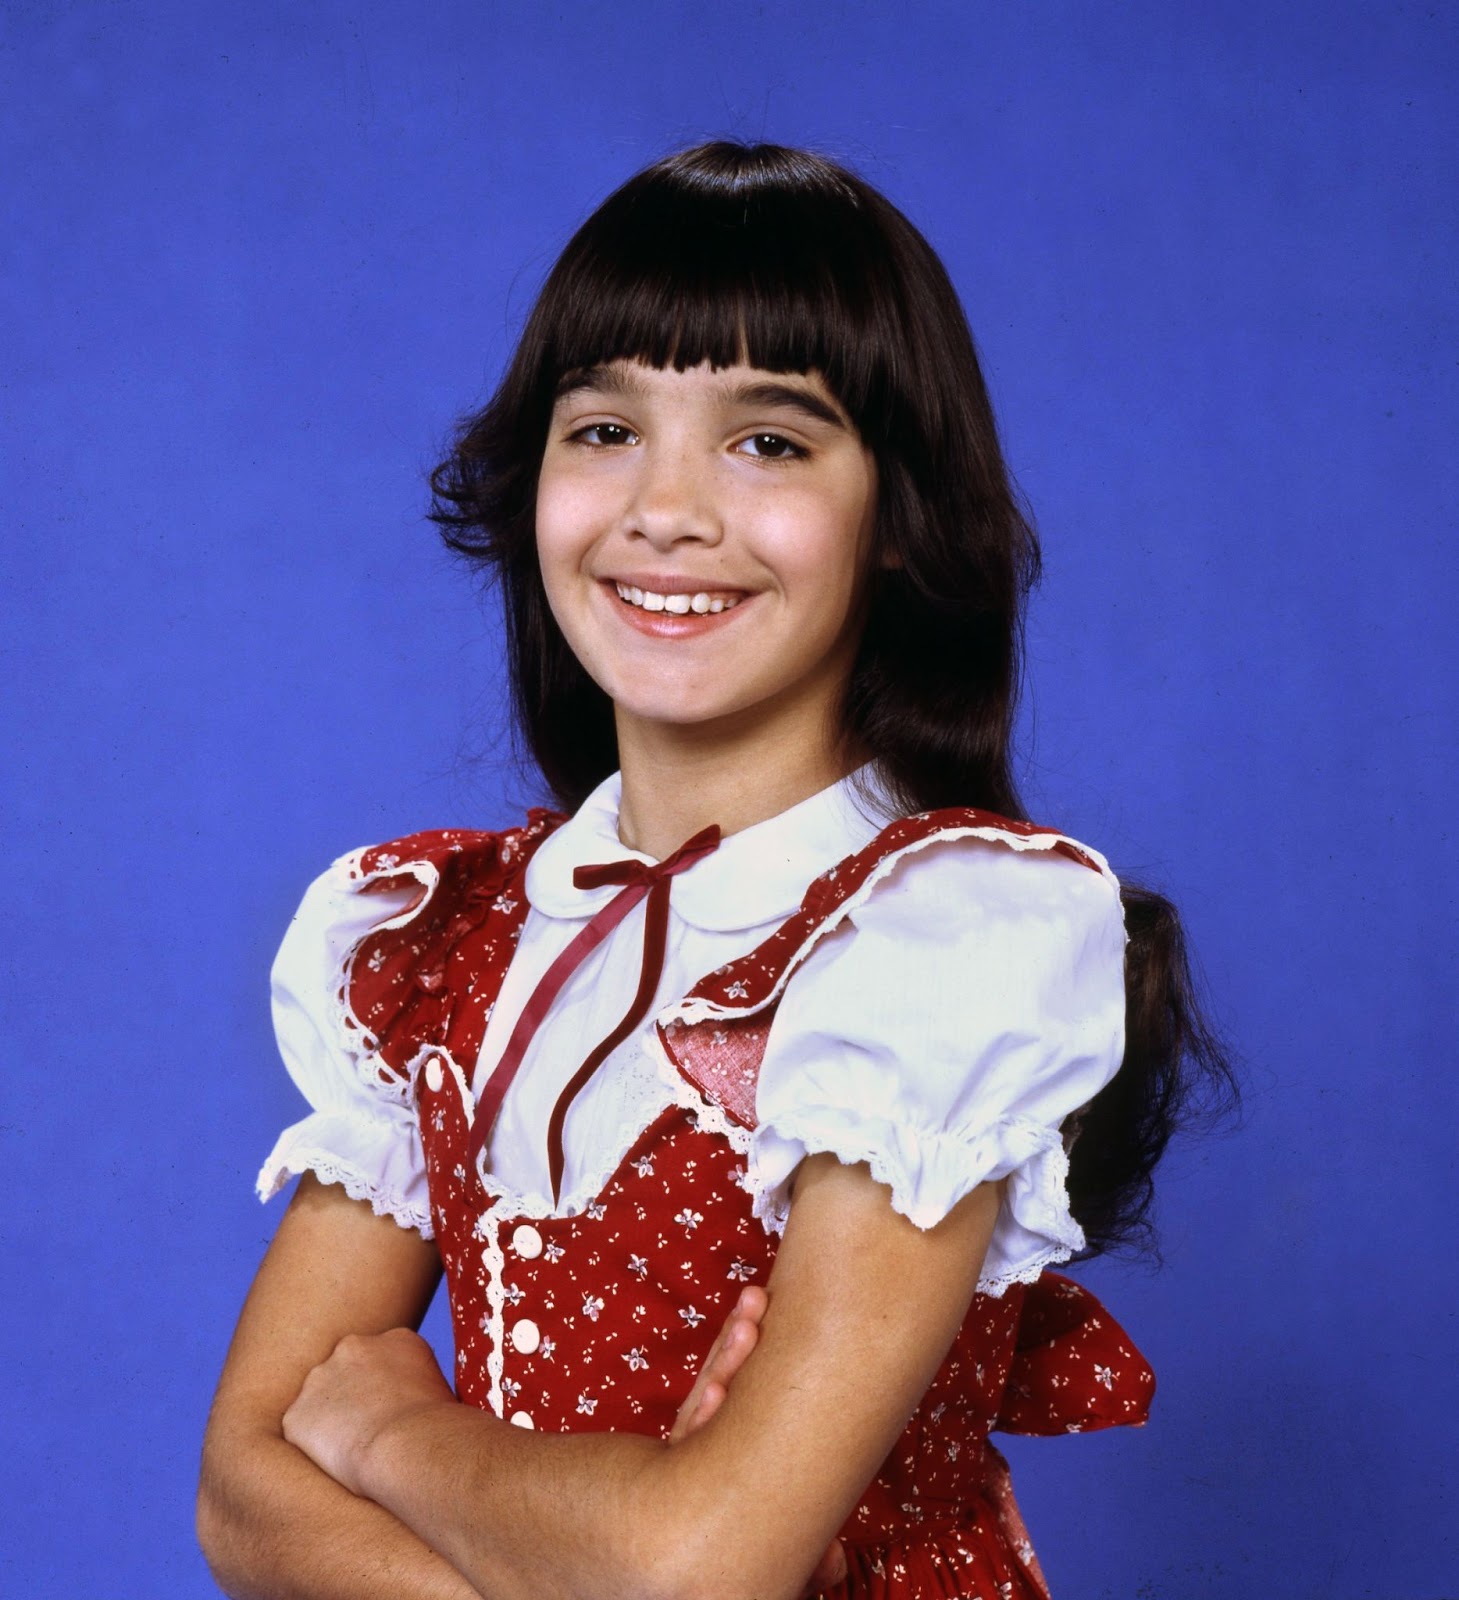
659, 699
671, 716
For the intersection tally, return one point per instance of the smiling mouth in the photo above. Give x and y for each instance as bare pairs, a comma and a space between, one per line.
699, 601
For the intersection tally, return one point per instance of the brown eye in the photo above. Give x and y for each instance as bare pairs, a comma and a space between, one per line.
605, 433
772, 447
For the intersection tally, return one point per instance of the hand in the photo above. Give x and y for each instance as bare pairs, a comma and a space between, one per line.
369, 1382
737, 1339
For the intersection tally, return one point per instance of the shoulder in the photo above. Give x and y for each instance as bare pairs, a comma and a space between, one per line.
941, 888
377, 922
960, 910
964, 873
385, 885
466, 855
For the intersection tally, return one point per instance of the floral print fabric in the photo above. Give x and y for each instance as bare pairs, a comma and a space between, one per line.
599, 1321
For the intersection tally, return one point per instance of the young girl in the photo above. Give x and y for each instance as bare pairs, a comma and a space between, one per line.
792, 1029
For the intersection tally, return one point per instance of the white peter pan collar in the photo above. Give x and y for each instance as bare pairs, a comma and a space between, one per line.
756, 875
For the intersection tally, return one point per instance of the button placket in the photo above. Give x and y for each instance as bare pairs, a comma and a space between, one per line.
526, 1336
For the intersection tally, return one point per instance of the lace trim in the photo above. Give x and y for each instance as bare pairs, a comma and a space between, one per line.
1000, 1283
357, 1041
1048, 1172
439, 1052
644, 1103
328, 1168
488, 1227
693, 1009
1051, 1163
509, 1202
687, 1094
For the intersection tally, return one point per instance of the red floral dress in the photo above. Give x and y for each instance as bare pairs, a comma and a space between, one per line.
600, 1320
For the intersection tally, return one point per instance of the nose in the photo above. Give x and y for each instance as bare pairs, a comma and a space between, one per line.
673, 500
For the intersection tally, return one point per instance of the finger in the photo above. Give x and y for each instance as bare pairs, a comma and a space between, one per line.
830, 1570
692, 1417
683, 1419
709, 1402
751, 1304
737, 1341
714, 1382
744, 1315
740, 1338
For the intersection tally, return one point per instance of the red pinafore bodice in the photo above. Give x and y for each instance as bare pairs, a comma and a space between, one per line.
601, 1320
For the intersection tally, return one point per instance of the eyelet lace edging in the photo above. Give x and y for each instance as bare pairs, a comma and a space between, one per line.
329, 1168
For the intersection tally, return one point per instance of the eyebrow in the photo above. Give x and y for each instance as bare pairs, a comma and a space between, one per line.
618, 379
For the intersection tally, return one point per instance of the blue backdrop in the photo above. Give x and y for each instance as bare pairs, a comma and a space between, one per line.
257, 257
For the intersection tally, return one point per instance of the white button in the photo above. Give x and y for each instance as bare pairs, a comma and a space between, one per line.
526, 1336
434, 1076
527, 1242
520, 1419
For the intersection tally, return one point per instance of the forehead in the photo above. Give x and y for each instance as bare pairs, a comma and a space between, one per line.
805, 392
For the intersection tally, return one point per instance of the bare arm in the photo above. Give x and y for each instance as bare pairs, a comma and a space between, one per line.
272, 1525
863, 1306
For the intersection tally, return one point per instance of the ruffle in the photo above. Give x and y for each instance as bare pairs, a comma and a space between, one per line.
1075, 1369
360, 1003
928, 1172
733, 992
378, 1159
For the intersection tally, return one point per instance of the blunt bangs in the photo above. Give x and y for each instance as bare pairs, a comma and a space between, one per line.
777, 262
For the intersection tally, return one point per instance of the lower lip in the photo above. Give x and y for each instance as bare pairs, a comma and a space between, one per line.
673, 624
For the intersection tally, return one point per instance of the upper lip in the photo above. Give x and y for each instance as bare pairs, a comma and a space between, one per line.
663, 583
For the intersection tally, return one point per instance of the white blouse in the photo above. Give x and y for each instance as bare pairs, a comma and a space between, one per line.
942, 1032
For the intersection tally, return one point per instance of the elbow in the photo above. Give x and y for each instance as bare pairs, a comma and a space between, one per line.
214, 1535
220, 1534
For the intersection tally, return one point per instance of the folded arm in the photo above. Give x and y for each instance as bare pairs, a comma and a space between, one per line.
863, 1307
272, 1524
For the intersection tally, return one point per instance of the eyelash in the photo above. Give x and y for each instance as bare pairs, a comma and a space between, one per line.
793, 451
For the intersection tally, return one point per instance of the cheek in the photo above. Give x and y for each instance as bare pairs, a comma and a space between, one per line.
565, 525
823, 549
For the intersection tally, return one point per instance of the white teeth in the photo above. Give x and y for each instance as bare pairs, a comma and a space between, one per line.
677, 604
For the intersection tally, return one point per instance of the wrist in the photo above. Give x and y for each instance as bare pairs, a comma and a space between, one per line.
386, 1457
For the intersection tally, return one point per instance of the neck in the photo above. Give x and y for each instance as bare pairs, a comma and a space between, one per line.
677, 781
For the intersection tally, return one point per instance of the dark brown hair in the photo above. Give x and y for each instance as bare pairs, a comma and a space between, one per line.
788, 262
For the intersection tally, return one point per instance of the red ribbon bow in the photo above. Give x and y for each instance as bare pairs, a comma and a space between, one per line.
639, 882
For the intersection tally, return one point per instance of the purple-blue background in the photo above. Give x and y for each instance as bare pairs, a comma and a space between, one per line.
257, 257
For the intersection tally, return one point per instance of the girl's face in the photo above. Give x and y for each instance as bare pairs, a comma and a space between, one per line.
704, 539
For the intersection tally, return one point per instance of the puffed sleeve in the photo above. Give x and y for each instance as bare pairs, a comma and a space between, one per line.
943, 1032
362, 1131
